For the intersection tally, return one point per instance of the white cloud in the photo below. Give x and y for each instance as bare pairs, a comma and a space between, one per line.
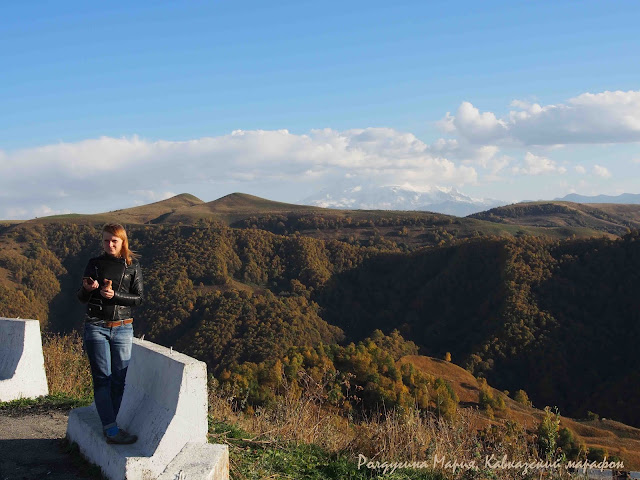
580, 169
16, 213
151, 195
601, 171
474, 126
45, 211
607, 117
135, 170
536, 165
484, 156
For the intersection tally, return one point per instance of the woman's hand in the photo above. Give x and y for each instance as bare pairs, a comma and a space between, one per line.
107, 291
90, 284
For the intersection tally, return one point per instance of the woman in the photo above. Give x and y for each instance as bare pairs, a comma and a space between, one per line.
111, 285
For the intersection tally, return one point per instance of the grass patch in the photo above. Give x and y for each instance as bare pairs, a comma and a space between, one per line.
253, 458
67, 365
57, 401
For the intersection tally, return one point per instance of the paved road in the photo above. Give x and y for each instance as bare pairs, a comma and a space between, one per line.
32, 448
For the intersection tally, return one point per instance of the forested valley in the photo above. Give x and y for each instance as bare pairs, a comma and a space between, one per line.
557, 318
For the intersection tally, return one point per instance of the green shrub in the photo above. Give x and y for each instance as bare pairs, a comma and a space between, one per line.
522, 398
548, 432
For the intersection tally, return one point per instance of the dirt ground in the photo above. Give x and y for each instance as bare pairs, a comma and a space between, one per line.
32, 446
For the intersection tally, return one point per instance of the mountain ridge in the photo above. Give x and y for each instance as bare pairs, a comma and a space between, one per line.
411, 228
623, 198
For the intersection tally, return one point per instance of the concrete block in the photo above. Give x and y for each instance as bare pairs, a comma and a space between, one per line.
164, 403
199, 461
22, 373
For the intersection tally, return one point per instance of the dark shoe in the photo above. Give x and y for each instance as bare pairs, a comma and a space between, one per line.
104, 432
122, 438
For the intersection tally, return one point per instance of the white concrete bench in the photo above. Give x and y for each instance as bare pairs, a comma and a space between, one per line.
22, 373
165, 405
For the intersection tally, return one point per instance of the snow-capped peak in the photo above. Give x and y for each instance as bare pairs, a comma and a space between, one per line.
400, 197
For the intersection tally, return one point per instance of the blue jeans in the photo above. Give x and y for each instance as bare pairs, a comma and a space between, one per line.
109, 351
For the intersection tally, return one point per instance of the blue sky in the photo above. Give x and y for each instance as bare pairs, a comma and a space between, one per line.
119, 88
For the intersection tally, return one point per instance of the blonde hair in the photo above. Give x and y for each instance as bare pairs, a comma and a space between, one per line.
119, 231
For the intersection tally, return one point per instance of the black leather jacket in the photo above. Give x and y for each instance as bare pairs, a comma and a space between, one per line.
126, 285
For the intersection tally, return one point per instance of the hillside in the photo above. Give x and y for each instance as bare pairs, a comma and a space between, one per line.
615, 219
150, 213
233, 207
510, 310
614, 437
184, 208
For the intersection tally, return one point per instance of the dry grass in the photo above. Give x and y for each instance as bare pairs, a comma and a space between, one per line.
387, 435
67, 366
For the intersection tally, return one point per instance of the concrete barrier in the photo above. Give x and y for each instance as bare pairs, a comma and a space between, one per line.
22, 373
165, 405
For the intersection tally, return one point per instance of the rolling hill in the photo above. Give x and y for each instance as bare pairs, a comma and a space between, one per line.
410, 229
614, 219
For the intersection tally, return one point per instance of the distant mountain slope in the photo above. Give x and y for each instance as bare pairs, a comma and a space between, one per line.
363, 227
234, 207
611, 218
153, 212
243, 202
632, 198
150, 213
186, 209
